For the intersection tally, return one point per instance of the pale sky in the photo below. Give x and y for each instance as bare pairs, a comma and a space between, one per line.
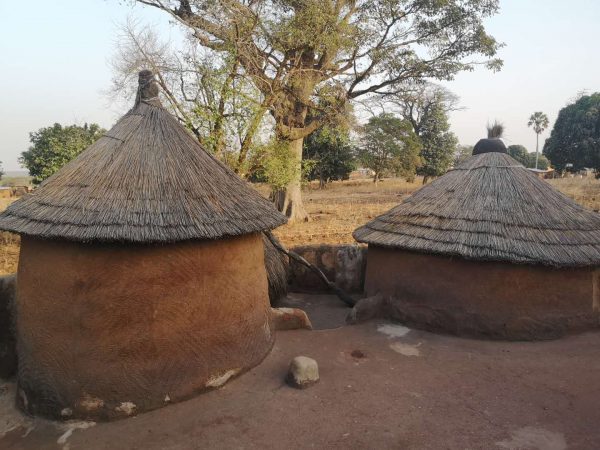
55, 53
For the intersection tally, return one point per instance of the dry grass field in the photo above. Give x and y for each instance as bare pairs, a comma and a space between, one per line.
336, 211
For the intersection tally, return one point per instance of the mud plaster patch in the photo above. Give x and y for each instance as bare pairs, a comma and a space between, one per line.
10, 417
534, 438
406, 349
68, 429
393, 331
90, 403
267, 331
126, 407
220, 380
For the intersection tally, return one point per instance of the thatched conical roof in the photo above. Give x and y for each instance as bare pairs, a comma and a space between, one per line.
491, 208
146, 180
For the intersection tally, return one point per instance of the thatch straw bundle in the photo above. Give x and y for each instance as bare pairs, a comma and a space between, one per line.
277, 265
146, 180
491, 208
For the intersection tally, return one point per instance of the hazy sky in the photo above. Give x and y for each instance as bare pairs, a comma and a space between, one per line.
54, 66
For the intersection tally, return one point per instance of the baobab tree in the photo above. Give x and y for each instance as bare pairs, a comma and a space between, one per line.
539, 121
297, 52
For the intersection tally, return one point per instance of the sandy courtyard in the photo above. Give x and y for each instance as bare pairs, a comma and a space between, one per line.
382, 386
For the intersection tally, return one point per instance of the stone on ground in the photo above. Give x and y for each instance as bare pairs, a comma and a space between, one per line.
303, 372
290, 319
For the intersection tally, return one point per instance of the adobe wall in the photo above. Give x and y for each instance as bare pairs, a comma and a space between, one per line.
105, 331
483, 298
342, 264
8, 351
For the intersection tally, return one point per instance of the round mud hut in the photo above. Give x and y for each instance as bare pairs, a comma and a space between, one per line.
488, 249
141, 278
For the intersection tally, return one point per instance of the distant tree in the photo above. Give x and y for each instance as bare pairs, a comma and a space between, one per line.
426, 106
542, 161
1, 170
520, 153
539, 121
55, 146
331, 155
438, 142
462, 153
575, 138
389, 145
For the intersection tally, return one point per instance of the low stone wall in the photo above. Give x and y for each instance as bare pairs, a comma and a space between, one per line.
343, 264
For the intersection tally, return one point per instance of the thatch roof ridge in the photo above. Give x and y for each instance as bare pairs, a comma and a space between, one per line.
491, 208
147, 180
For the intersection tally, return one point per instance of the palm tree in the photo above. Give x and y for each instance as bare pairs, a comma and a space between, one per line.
539, 122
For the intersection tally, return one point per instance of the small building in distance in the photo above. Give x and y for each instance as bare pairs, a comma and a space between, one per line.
141, 278
488, 249
542, 174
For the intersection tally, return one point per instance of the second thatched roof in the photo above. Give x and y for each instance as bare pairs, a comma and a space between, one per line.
491, 208
146, 180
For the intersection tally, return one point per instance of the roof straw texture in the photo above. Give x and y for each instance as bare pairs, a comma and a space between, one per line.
147, 180
491, 208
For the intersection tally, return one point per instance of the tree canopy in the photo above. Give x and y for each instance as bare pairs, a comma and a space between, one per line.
55, 146
575, 138
438, 142
462, 153
330, 153
297, 52
521, 154
389, 146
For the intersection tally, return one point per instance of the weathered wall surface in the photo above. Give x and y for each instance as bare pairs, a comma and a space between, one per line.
343, 264
482, 298
106, 331
8, 352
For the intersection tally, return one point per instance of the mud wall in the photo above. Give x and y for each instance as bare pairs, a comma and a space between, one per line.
483, 298
8, 351
343, 264
106, 331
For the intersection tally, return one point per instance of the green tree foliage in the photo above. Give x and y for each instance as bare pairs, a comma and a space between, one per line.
462, 153
1, 170
389, 145
273, 164
439, 143
519, 153
575, 138
294, 52
55, 146
331, 153
542, 162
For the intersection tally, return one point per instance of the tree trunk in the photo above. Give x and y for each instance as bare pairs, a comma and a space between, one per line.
537, 145
248, 139
289, 200
425, 179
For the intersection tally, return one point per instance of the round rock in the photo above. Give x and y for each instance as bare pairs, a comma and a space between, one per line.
303, 372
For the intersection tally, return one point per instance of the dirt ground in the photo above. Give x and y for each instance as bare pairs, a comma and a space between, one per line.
382, 386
